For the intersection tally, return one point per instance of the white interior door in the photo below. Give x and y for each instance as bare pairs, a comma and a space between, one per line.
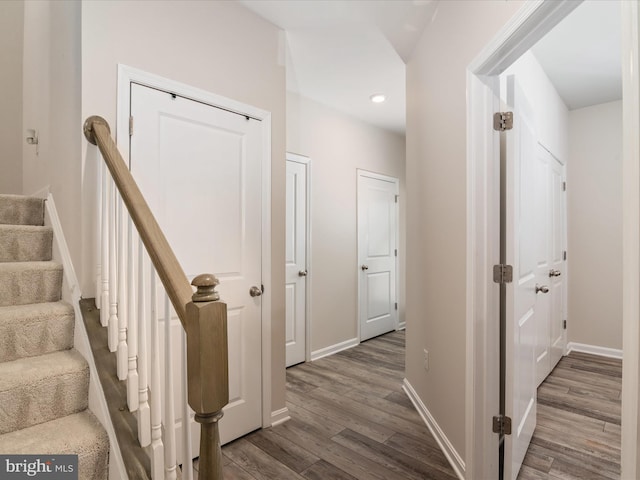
525, 251
557, 271
296, 262
377, 253
199, 168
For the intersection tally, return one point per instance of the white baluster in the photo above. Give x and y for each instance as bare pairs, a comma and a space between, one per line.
144, 414
157, 447
132, 333
187, 444
113, 277
123, 356
104, 247
169, 404
98, 238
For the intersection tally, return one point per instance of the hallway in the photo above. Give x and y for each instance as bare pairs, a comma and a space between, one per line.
350, 419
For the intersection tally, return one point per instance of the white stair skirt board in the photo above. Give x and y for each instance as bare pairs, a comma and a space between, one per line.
278, 417
330, 350
594, 350
71, 294
445, 445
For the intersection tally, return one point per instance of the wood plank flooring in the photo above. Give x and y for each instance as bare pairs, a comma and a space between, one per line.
578, 430
350, 420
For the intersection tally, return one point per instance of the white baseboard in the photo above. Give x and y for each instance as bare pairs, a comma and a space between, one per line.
402, 326
280, 416
445, 445
594, 350
71, 294
330, 350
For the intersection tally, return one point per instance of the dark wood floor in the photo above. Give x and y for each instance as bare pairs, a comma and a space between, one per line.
578, 429
350, 420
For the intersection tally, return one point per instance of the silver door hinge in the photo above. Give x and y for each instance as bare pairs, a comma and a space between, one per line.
396, 305
502, 121
502, 273
564, 324
564, 255
502, 425
130, 126
396, 252
564, 186
262, 288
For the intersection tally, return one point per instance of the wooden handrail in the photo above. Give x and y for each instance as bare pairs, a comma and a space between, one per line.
97, 131
203, 316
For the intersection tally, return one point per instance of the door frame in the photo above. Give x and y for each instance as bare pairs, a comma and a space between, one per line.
532, 22
396, 181
128, 75
294, 157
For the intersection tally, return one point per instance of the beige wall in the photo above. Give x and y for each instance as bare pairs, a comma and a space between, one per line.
51, 105
437, 204
217, 46
11, 137
338, 145
594, 211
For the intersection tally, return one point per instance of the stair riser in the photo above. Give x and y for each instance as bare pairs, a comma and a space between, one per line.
20, 287
17, 210
19, 245
31, 337
45, 400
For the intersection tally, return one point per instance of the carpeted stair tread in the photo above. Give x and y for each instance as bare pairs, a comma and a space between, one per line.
29, 282
79, 434
35, 329
25, 243
39, 389
21, 210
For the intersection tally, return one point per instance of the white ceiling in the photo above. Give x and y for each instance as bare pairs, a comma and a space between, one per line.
582, 55
339, 52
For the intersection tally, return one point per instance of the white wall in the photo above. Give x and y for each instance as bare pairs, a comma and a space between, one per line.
594, 210
338, 145
437, 204
217, 46
11, 137
551, 114
51, 105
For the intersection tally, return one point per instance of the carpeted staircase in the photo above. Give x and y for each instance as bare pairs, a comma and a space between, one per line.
43, 380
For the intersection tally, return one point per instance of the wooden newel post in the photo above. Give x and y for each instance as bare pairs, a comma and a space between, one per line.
207, 370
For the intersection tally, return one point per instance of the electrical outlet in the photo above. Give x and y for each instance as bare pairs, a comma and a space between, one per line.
426, 360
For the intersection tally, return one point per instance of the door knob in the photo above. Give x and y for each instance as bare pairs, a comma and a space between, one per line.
364, 267
302, 273
554, 273
543, 289
255, 291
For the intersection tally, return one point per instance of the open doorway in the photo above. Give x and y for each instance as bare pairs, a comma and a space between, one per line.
484, 99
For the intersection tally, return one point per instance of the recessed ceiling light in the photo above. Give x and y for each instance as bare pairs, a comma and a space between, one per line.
377, 98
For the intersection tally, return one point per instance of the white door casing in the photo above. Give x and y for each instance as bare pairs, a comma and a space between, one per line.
296, 266
377, 253
199, 167
524, 251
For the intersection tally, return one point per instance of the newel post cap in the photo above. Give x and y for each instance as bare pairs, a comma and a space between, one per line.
206, 284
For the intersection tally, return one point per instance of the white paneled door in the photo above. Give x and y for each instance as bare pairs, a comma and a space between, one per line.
526, 252
296, 260
199, 167
557, 271
377, 253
